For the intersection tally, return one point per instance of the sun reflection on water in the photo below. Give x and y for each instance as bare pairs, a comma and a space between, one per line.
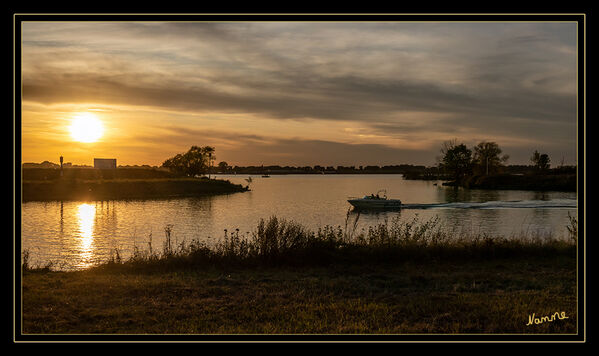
86, 214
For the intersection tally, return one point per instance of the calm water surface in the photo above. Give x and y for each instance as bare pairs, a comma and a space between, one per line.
78, 234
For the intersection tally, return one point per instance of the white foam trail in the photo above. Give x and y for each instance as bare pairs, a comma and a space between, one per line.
534, 204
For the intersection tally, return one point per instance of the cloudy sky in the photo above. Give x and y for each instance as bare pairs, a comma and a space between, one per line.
328, 93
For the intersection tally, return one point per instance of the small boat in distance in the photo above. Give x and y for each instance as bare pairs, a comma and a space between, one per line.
265, 174
373, 201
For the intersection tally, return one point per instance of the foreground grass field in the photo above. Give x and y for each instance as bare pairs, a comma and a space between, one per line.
396, 279
483, 297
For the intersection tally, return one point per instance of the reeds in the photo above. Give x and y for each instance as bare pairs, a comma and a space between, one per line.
573, 228
26, 265
277, 241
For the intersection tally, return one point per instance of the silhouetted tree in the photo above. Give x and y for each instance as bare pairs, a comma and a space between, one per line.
194, 162
223, 166
487, 158
544, 161
456, 160
540, 161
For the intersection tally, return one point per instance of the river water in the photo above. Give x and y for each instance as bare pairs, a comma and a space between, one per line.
78, 234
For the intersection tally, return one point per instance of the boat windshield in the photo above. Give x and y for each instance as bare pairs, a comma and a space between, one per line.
372, 196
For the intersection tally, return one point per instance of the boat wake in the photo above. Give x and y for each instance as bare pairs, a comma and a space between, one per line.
535, 204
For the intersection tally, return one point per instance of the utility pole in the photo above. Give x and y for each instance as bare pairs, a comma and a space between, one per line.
487, 165
61, 165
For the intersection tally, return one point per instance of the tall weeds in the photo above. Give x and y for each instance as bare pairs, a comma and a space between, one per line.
573, 228
277, 241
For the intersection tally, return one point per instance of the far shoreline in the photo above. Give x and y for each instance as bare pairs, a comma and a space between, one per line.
85, 184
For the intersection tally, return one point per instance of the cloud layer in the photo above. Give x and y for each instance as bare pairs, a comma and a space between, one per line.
406, 86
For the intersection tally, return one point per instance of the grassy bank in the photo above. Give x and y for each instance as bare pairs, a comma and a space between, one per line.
52, 174
394, 278
121, 183
76, 189
427, 174
535, 182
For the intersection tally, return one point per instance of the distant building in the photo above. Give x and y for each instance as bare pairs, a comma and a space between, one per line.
105, 163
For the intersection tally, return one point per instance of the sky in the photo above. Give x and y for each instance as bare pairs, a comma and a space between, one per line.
305, 93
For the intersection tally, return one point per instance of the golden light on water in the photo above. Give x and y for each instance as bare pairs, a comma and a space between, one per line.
86, 214
86, 127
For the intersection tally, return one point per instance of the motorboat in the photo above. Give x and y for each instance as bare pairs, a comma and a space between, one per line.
375, 201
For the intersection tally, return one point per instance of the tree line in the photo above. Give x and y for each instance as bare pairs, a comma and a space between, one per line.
199, 161
484, 159
457, 162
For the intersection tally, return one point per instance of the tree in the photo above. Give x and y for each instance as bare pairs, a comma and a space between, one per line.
487, 158
223, 167
210, 152
194, 162
456, 160
540, 161
544, 161
535, 158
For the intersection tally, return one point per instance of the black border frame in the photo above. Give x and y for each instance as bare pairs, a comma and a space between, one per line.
583, 266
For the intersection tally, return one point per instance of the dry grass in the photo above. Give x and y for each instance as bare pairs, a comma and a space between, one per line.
469, 297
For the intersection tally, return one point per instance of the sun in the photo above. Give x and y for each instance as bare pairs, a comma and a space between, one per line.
86, 127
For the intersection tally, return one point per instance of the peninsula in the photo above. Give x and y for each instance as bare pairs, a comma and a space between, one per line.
43, 184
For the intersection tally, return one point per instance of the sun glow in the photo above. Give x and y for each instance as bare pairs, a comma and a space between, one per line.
86, 127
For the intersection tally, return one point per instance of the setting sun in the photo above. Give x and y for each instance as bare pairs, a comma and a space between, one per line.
86, 127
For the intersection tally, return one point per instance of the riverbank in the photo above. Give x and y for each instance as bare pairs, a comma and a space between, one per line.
534, 182
109, 189
395, 278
